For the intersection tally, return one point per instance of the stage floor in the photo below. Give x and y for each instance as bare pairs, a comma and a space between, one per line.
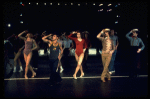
88, 86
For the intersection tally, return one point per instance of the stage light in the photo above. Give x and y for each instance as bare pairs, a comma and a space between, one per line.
116, 5
50, 3
109, 4
110, 10
116, 22
44, 3
101, 10
36, 3
29, 2
21, 14
78, 4
58, 3
20, 2
65, 4
9, 25
93, 3
21, 22
100, 4
71, 3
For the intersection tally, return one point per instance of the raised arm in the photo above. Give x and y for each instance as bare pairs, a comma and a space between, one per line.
45, 38
99, 35
127, 35
72, 38
19, 35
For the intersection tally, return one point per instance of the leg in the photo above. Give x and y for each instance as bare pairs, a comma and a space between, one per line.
80, 59
28, 59
26, 68
106, 62
77, 58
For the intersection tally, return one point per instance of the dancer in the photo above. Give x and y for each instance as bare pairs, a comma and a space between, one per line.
107, 51
67, 49
79, 53
28, 51
60, 55
17, 46
89, 45
135, 50
54, 47
116, 43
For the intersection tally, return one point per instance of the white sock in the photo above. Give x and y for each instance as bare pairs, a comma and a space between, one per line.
20, 67
61, 67
14, 67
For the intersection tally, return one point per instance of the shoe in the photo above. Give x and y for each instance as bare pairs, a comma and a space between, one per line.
109, 79
74, 76
110, 72
33, 75
103, 80
20, 70
57, 70
82, 75
14, 70
61, 70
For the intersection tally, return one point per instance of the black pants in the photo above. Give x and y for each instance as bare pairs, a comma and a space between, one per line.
66, 57
54, 76
134, 60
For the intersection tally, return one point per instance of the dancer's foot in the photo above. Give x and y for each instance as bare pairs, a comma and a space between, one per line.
103, 80
109, 78
25, 76
74, 76
61, 70
34, 74
82, 75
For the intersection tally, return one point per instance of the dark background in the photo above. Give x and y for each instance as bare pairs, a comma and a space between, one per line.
61, 18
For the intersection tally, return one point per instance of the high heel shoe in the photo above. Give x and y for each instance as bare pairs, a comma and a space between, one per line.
74, 77
33, 75
82, 75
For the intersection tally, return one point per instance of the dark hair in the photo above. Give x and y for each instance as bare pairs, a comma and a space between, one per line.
80, 33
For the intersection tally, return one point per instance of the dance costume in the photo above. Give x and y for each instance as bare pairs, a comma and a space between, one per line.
53, 63
79, 45
106, 56
28, 47
134, 57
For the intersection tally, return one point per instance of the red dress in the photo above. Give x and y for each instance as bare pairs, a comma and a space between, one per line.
80, 45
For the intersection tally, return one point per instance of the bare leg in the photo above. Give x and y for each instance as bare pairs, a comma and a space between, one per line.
80, 59
28, 59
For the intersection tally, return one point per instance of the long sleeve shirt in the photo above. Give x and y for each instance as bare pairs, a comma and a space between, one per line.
67, 42
107, 44
80, 45
135, 41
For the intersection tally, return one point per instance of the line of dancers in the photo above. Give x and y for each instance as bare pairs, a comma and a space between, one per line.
82, 45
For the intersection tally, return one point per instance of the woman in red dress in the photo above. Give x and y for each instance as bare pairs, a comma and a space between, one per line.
79, 53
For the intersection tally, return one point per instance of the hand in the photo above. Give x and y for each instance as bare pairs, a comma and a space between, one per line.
111, 52
74, 32
131, 31
26, 31
116, 48
20, 50
139, 50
